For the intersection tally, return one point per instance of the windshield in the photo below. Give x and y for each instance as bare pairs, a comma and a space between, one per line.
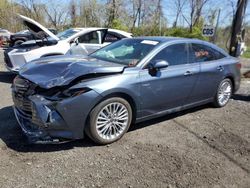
127, 51
67, 33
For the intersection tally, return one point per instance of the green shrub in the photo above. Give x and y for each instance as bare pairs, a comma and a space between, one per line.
246, 54
117, 24
185, 32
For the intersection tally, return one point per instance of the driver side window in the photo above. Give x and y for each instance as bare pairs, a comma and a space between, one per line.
175, 54
90, 38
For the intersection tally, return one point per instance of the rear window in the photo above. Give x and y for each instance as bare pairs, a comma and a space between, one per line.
110, 37
202, 53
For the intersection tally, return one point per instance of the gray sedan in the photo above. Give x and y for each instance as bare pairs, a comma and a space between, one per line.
129, 81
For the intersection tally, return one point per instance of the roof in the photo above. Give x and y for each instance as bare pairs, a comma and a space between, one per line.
159, 38
169, 39
127, 34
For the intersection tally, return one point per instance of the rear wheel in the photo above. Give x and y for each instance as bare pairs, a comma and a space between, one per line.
224, 93
109, 120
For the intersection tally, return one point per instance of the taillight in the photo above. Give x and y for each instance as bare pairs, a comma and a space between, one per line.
238, 65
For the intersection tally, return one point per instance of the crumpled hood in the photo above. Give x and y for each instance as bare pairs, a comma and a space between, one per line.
60, 70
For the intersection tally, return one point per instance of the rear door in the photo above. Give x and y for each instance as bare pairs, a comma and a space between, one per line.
212, 71
171, 87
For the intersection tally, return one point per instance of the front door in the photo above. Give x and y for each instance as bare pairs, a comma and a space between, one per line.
171, 86
92, 41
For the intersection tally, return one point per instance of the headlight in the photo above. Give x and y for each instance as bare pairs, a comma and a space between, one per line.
24, 49
57, 94
74, 92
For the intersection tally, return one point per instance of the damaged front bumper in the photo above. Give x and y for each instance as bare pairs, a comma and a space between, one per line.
40, 123
34, 136
45, 121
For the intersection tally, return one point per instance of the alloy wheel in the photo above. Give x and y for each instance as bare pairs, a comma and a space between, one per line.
224, 93
112, 120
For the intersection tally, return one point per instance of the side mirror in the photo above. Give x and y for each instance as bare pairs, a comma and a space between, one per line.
155, 66
160, 64
75, 41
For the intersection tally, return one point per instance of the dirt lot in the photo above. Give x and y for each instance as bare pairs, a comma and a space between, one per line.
202, 147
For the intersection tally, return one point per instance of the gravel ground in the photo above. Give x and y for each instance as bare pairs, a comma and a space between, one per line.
202, 147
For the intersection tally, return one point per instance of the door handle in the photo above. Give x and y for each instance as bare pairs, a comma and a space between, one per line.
188, 73
220, 68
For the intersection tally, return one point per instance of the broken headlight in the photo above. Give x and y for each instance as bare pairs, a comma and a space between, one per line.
73, 92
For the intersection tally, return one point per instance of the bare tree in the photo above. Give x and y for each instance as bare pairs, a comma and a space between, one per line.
57, 14
137, 6
73, 13
179, 4
33, 9
112, 6
91, 13
196, 7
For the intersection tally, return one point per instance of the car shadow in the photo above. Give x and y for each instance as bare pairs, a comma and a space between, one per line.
7, 77
239, 97
13, 137
167, 117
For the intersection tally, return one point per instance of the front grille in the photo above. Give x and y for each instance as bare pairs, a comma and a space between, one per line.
21, 91
35, 119
29, 126
7, 59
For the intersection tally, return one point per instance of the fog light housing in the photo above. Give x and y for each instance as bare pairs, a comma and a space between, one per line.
54, 119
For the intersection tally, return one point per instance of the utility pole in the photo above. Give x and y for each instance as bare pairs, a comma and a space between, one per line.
237, 27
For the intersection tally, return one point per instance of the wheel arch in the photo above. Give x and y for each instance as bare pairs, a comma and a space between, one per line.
123, 95
128, 98
51, 54
231, 78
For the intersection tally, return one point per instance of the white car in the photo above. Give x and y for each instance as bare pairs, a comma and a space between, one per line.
89, 39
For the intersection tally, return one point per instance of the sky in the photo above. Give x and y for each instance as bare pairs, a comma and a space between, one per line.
169, 10
225, 6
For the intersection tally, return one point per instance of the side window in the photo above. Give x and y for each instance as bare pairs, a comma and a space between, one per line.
202, 53
175, 54
91, 38
110, 37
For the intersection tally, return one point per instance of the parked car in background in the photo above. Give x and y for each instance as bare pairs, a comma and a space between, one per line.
110, 36
49, 44
23, 36
128, 81
4, 36
1, 42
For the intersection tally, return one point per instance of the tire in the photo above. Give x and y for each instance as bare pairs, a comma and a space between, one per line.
109, 120
224, 93
18, 42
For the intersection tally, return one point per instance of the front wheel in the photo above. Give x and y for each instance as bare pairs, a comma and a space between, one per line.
109, 120
18, 42
224, 93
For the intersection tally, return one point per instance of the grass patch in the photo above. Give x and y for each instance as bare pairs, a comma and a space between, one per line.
246, 53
